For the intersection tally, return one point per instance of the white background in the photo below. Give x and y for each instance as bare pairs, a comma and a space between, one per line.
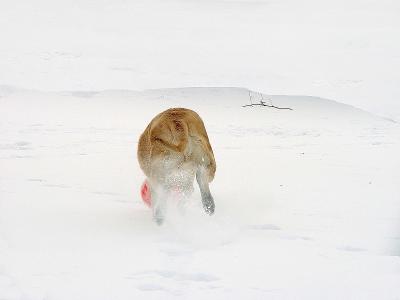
307, 200
342, 50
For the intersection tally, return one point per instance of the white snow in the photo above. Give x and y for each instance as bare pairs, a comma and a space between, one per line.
307, 200
347, 50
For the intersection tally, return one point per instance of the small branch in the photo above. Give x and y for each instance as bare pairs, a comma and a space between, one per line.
250, 97
262, 103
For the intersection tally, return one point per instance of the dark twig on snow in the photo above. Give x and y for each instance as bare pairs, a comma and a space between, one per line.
262, 102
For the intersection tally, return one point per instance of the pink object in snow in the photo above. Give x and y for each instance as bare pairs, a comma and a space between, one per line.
145, 193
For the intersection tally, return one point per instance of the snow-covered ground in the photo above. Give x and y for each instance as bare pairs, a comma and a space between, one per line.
307, 200
347, 50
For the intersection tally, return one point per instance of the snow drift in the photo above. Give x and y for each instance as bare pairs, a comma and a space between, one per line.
306, 200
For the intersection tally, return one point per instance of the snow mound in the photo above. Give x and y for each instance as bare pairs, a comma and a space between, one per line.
306, 199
